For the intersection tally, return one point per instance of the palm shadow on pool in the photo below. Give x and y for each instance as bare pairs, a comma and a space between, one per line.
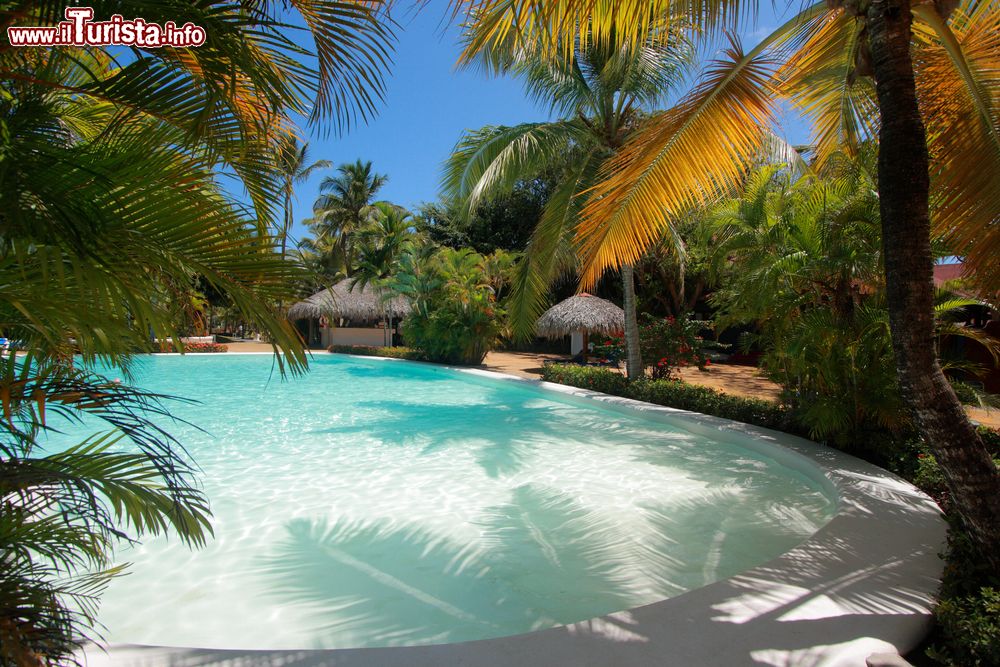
504, 427
382, 584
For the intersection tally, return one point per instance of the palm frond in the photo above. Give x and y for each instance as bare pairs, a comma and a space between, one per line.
820, 80
678, 159
959, 89
492, 159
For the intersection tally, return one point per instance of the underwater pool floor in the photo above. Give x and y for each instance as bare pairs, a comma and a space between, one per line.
377, 504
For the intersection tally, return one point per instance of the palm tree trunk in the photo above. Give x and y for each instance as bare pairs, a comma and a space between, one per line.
287, 225
633, 363
904, 186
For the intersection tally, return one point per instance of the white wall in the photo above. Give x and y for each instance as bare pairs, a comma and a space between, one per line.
354, 336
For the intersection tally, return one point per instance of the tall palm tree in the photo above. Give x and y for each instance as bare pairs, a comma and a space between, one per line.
295, 169
109, 198
894, 68
381, 245
382, 242
601, 95
343, 208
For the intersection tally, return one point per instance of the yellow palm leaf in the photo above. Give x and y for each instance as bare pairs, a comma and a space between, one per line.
551, 27
819, 80
678, 159
958, 82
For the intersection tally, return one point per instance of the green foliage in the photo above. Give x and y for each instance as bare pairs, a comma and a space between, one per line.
610, 347
341, 211
62, 513
598, 95
970, 395
196, 348
799, 257
968, 611
669, 343
674, 394
113, 222
971, 625
398, 352
966, 393
604, 380
381, 243
500, 222
455, 317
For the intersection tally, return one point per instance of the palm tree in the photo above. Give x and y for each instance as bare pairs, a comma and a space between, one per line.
343, 208
888, 67
295, 169
380, 247
601, 95
382, 242
110, 201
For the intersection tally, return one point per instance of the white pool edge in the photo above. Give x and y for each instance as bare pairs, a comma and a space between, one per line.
864, 583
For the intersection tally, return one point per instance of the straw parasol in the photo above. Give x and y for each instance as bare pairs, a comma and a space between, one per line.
585, 313
340, 301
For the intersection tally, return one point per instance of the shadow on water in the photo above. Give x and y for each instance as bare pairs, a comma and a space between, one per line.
503, 428
541, 560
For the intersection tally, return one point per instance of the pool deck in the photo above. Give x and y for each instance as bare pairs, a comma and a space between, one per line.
863, 584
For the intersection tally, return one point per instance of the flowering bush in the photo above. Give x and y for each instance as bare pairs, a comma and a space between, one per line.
397, 352
670, 343
610, 347
194, 348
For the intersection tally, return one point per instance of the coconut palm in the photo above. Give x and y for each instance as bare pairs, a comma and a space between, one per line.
111, 212
343, 208
382, 242
920, 76
380, 247
295, 169
601, 95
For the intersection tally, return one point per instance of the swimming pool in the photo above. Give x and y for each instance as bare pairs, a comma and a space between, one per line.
375, 503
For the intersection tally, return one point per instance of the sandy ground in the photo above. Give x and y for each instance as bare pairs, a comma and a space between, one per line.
731, 379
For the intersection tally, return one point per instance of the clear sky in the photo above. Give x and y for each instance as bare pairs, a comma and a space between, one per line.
430, 102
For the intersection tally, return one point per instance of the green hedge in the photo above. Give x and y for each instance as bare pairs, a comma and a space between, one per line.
195, 348
675, 394
369, 351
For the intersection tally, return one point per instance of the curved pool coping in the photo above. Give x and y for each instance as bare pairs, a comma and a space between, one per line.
864, 583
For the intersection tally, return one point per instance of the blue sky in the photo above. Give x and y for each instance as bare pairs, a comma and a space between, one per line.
430, 102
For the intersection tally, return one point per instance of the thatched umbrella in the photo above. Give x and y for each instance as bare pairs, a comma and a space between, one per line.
341, 302
585, 313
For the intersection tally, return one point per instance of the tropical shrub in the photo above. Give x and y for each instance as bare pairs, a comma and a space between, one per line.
972, 625
604, 380
669, 343
800, 259
399, 352
610, 347
455, 317
967, 629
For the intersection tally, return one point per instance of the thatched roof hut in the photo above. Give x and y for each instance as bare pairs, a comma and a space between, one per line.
340, 301
583, 312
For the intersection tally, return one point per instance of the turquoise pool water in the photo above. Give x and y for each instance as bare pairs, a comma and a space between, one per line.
380, 503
